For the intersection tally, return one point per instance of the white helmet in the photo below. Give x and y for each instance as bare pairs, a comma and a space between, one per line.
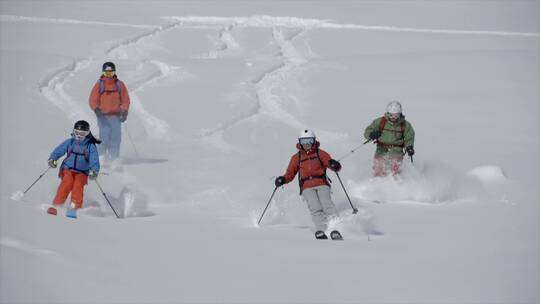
394, 107
306, 134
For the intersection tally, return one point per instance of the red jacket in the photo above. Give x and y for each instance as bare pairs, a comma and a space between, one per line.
312, 173
111, 101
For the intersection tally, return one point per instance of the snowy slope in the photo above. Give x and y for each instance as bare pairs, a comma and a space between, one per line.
219, 91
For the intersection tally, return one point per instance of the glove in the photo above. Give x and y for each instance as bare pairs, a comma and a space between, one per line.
334, 165
92, 174
52, 163
123, 116
98, 112
280, 181
410, 150
375, 134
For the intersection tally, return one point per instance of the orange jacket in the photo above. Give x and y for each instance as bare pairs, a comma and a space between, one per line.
111, 101
312, 174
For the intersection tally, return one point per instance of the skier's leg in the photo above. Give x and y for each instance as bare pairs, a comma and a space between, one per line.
64, 188
395, 163
327, 204
116, 136
104, 134
77, 194
379, 168
315, 208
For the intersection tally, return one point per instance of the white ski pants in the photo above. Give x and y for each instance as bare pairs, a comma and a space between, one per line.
320, 205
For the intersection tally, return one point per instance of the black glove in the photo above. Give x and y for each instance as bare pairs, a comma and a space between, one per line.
410, 150
92, 174
280, 181
334, 165
98, 112
375, 134
123, 116
52, 163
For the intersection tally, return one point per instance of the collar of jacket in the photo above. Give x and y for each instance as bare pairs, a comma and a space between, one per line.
84, 141
400, 120
108, 78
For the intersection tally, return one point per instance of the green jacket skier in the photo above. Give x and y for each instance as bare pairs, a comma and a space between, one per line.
394, 137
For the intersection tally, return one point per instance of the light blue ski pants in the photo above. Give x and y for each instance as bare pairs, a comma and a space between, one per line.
110, 133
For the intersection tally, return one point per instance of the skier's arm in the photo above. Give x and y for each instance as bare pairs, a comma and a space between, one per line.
93, 158
409, 135
124, 97
292, 169
325, 158
60, 150
93, 100
374, 126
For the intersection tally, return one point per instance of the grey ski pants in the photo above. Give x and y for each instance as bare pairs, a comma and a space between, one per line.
320, 205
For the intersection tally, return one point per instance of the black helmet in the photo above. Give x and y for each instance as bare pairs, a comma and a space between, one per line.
82, 125
108, 66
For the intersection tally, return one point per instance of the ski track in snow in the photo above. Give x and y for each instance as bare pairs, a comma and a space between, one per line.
295, 22
156, 127
25, 247
52, 86
14, 18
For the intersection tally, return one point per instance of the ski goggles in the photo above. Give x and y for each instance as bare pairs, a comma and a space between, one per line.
108, 73
80, 134
306, 140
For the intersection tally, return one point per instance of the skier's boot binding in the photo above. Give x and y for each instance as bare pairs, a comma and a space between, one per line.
320, 235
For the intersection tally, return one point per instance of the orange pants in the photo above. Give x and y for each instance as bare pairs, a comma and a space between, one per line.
73, 182
382, 165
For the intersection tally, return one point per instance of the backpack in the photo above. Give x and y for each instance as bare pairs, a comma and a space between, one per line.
85, 153
102, 86
302, 180
402, 128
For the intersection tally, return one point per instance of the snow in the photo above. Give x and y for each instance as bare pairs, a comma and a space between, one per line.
219, 93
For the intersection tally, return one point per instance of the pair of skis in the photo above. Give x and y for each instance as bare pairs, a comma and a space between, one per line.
334, 235
71, 213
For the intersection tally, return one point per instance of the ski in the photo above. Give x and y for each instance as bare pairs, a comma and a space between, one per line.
320, 235
335, 235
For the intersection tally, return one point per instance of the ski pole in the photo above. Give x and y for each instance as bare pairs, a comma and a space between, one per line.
105, 195
42, 174
354, 150
354, 209
272, 196
131, 140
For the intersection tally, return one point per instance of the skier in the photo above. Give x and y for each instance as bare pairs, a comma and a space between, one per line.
392, 134
109, 99
80, 163
310, 163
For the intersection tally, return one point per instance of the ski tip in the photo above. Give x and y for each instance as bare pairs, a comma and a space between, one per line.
52, 211
320, 235
335, 235
71, 213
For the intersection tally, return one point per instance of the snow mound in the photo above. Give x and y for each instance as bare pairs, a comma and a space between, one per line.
17, 195
423, 183
129, 203
488, 173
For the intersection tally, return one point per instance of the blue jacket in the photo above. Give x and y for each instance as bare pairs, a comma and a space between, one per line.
82, 156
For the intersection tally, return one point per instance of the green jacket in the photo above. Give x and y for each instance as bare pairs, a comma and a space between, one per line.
392, 141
